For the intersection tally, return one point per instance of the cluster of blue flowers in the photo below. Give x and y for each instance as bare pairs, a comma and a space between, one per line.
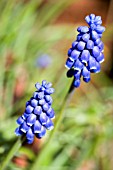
84, 58
86, 53
38, 113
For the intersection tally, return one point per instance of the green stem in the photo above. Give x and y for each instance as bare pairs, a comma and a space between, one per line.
11, 153
39, 160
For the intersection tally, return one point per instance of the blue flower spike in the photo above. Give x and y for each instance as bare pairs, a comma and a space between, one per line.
86, 53
38, 114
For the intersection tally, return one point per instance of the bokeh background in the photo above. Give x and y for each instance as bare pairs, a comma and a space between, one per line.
34, 38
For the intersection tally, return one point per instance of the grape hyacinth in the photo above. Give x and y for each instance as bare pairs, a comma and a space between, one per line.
86, 53
43, 61
38, 113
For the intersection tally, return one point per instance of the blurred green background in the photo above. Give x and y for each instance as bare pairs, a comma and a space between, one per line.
34, 38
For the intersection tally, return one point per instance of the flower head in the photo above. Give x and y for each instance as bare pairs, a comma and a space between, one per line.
38, 113
43, 61
86, 53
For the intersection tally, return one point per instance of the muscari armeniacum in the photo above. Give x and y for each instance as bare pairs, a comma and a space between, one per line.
38, 113
86, 53
43, 61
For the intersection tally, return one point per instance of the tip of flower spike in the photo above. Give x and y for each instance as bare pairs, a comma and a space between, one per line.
94, 22
90, 19
44, 88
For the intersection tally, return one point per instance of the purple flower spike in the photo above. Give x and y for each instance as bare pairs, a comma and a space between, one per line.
38, 113
86, 53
